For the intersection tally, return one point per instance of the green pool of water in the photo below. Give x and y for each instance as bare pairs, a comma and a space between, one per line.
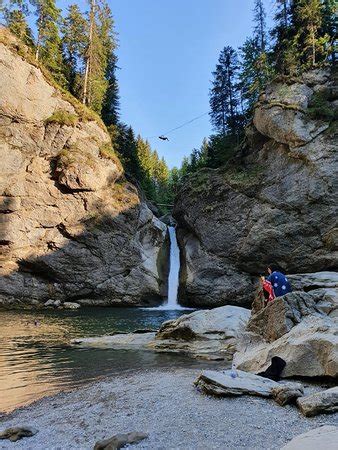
36, 360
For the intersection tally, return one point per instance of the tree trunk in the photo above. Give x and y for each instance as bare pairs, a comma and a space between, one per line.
313, 47
285, 12
38, 41
230, 99
89, 55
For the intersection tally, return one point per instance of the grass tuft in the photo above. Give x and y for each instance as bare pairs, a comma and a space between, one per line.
106, 151
63, 117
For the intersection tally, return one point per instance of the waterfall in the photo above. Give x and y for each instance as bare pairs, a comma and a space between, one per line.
174, 269
173, 278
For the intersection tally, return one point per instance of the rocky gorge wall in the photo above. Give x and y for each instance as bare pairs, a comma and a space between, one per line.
72, 228
275, 201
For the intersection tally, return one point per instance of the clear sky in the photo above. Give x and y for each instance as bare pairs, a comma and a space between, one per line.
168, 49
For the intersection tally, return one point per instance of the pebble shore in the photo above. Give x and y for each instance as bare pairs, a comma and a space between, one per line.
164, 404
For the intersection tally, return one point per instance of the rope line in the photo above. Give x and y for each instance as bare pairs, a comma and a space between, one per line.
180, 126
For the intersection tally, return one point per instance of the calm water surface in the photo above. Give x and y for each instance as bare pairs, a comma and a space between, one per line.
36, 360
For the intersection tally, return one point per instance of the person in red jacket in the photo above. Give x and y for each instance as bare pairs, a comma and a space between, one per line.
276, 284
268, 290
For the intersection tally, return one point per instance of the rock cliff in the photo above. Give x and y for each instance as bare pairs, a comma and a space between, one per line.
276, 200
72, 228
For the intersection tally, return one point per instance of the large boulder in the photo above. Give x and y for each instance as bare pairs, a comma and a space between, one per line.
213, 333
281, 315
325, 437
325, 402
281, 113
72, 228
310, 349
299, 327
210, 334
275, 200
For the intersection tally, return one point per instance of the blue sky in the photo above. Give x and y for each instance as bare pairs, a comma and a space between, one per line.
168, 49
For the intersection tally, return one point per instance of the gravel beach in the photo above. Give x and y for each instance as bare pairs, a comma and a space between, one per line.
164, 404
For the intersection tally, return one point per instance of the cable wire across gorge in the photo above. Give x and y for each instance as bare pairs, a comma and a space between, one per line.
164, 137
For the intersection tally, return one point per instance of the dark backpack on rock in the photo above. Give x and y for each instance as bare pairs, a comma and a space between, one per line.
274, 371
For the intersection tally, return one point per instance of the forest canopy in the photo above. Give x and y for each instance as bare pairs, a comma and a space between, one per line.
79, 49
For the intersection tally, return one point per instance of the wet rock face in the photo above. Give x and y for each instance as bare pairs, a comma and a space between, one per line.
277, 201
72, 228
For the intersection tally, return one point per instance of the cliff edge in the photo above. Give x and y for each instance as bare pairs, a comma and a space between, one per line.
275, 201
72, 228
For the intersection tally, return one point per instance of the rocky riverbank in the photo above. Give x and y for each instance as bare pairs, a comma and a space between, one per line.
167, 406
300, 327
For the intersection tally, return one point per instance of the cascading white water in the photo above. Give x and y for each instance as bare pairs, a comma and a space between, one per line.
173, 279
174, 269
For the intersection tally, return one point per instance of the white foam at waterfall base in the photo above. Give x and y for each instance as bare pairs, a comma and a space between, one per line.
173, 279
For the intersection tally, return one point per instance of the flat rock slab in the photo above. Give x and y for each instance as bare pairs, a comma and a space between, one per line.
222, 384
322, 438
119, 341
325, 402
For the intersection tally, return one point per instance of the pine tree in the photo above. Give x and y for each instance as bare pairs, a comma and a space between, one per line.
15, 15
329, 27
49, 46
311, 46
224, 96
75, 41
126, 147
144, 156
184, 166
89, 56
204, 152
284, 55
260, 25
100, 62
174, 184
111, 101
251, 81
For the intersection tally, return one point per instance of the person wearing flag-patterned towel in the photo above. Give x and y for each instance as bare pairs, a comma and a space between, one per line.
278, 280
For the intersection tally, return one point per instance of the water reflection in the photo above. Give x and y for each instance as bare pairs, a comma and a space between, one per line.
37, 360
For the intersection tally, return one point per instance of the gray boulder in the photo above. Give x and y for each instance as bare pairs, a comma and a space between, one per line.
300, 328
281, 315
212, 334
287, 393
325, 437
309, 349
49, 303
120, 441
222, 384
16, 433
325, 402
71, 305
316, 280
